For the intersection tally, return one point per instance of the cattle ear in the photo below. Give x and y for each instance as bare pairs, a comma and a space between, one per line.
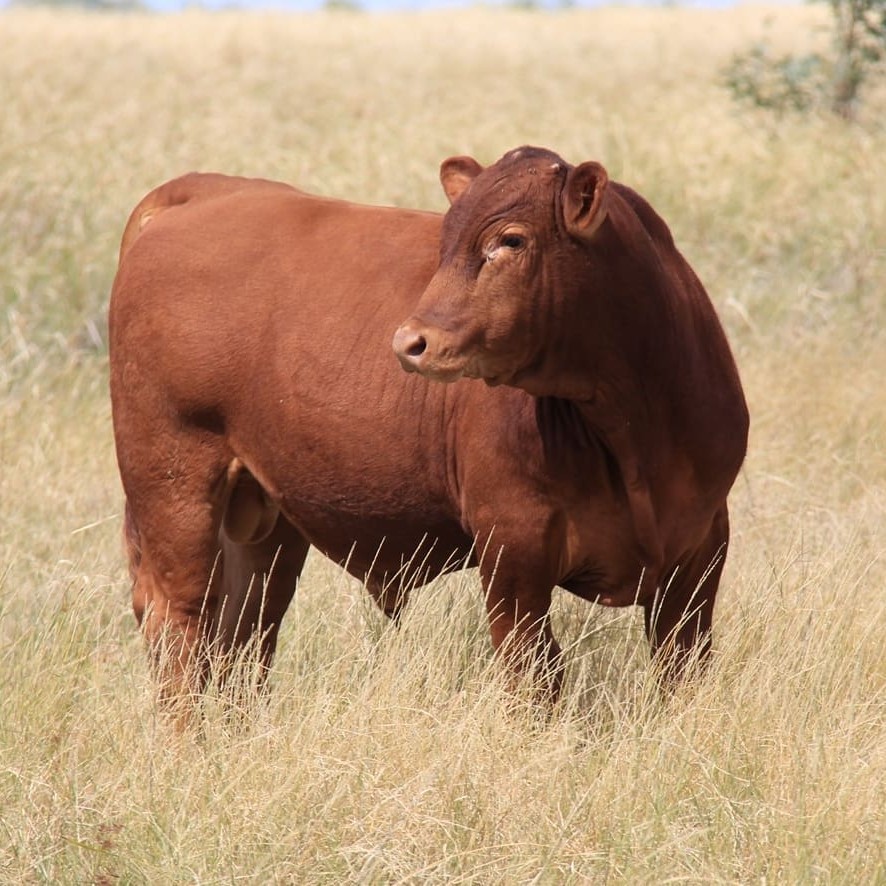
456, 174
585, 199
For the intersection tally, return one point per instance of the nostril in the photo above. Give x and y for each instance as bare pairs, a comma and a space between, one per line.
417, 347
410, 346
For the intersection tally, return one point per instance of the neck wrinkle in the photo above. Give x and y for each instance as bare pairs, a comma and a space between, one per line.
624, 439
565, 424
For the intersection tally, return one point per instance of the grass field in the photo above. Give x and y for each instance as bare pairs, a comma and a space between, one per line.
386, 756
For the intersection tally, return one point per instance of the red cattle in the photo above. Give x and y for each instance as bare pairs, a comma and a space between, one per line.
258, 409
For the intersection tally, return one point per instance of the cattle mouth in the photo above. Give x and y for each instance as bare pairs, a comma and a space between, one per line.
438, 374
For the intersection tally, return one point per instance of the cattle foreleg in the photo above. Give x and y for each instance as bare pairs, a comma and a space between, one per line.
518, 598
678, 620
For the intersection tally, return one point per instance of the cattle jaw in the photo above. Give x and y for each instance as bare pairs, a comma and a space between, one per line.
427, 351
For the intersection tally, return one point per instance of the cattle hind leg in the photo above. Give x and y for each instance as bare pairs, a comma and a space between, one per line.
257, 584
175, 572
679, 618
199, 594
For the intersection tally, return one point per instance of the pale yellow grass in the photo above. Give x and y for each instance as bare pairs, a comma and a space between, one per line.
387, 756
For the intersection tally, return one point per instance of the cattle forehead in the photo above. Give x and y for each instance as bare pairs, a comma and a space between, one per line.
522, 174
528, 153
518, 181
518, 175
521, 185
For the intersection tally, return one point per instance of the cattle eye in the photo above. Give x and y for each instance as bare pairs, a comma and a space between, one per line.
513, 241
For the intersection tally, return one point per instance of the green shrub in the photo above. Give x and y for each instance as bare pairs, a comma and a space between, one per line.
800, 82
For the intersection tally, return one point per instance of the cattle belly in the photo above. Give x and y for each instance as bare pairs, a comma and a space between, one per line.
591, 590
381, 550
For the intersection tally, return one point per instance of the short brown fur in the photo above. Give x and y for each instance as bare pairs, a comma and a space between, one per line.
250, 369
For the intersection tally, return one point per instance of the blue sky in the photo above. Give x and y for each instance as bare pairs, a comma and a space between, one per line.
308, 5
399, 5
390, 5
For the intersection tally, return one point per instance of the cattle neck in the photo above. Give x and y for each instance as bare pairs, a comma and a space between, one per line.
572, 425
651, 378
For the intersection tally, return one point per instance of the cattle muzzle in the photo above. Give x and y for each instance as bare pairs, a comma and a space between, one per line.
409, 346
419, 349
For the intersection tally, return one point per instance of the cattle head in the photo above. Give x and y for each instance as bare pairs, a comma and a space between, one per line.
514, 265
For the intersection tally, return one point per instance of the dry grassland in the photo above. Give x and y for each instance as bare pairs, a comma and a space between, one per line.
392, 756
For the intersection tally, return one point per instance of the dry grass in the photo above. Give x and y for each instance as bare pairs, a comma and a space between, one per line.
392, 756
